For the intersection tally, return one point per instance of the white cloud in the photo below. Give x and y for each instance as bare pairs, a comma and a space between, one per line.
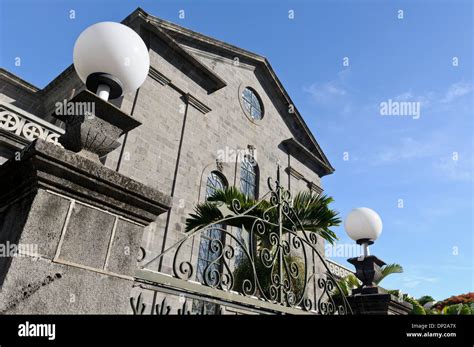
431, 99
455, 91
455, 170
407, 149
328, 92
432, 149
404, 96
415, 281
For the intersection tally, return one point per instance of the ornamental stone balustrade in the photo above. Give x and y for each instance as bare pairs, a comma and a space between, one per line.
19, 128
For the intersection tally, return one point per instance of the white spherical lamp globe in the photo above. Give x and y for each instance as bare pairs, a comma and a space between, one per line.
363, 224
112, 49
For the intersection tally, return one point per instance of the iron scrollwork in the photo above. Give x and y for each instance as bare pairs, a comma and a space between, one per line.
272, 265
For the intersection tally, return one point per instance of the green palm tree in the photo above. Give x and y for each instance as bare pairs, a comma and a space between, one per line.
312, 211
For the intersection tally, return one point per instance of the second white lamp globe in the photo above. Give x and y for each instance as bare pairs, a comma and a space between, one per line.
363, 223
114, 49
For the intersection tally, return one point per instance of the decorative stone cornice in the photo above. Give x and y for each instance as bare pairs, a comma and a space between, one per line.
316, 163
315, 188
291, 171
158, 76
197, 104
311, 185
216, 57
190, 99
178, 34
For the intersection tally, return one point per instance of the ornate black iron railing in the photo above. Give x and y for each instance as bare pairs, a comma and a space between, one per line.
273, 265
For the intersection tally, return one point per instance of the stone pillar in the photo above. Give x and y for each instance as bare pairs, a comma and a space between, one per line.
378, 304
370, 298
78, 226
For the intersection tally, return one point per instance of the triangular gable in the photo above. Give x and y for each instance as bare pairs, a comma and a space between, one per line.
174, 34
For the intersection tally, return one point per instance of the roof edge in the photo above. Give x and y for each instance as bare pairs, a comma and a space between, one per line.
5, 74
301, 152
149, 23
259, 59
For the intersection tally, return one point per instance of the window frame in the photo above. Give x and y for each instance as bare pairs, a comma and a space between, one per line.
205, 241
247, 104
246, 174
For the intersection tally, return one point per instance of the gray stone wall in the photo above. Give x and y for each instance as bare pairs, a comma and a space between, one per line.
82, 261
151, 151
177, 146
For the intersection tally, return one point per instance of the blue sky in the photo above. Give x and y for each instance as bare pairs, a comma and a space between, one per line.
390, 157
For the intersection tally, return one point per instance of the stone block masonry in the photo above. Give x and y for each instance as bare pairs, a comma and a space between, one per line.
87, 222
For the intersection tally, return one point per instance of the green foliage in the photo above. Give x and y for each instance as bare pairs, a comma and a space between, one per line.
347, 283
388, 270
315, 215
425, 299
313, 212
460, 308
466, 309
417, 307
457, 309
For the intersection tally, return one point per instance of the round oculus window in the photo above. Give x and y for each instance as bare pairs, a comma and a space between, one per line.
252, 103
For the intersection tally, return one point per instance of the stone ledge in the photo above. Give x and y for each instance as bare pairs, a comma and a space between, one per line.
47, 166
378, 304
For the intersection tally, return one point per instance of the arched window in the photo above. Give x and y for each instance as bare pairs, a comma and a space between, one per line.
207, 255
249, 177
215, 181
248, 186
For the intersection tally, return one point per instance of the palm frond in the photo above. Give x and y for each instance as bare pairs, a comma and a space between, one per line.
312, 211
204, 214
388, 270
315, 215
347, 283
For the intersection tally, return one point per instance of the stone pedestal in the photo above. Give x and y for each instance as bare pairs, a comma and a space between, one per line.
368, 269
378, 304
78, 226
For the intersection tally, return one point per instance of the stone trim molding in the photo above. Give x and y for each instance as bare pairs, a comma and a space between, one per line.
177, 33
316, 163
192, 100
158, 76
291, 171
6, 75
315, 188
299, 176
216, 57
46, 166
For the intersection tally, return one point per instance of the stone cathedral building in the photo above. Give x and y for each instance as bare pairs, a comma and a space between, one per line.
212, 115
